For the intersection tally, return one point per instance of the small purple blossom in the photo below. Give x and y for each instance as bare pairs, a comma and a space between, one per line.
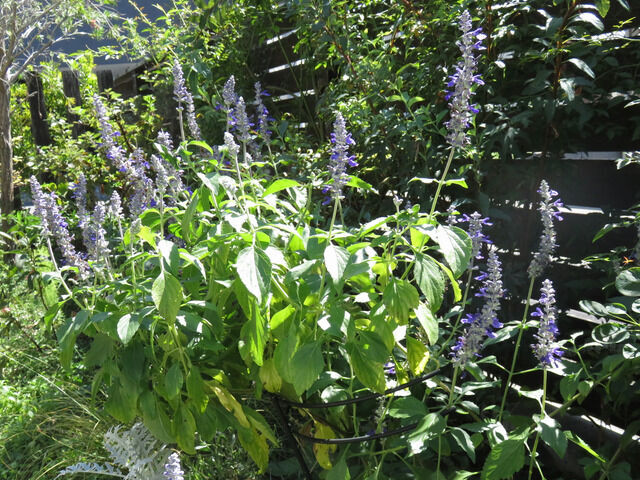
164, 139
390, 368
96, 235
173, 469
546, 349
184, 97
549, 210
476, 221
482, 323
340, 159
115, 206
80, 197
242, 123
55, 226
461, 82
262, 113
229, 98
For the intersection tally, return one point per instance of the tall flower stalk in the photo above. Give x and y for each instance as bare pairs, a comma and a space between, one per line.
545, 349
461, 84
184, 99
549, 211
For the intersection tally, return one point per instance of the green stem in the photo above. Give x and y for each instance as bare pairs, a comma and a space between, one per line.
444, 176
542, 415
64, 284
515, 352
464, 302
322, 278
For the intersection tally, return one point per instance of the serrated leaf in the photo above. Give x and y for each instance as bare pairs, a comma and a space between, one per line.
429, 427
417, 355
195, 389
552, 435
429, 278
280, 184
400, 297
336, 260
463, 440
269, 376
407, 407
169, 253
307, 364
167, 296
456, 247
184, 426
369, 372
428, 323
321, 451
256, 446
173, 380
284, 352
127, 327
254, 270
506, 458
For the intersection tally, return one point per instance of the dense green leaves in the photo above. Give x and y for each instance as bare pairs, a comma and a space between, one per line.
254, 270
167, 296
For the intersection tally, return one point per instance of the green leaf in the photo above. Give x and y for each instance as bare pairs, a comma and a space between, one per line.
369, 372
283, 354
167, 296
307, 364
280, 184
603, 7
100, 350
336, 260
429, 278
428, 323
195, 389
457, 293
186, 225
254, 332
628, 282
256, 446
211, 181
254, 269
582, 66
169, 253
505, 459
417, 355
464, 441
173, 380
340, 470
155, 418
590, 18
429, 427
552, 435
148, 236
121, 403
456, 246
400, 297
407, 407
184, 426
127, 327
359, 183
67, 335
584, 445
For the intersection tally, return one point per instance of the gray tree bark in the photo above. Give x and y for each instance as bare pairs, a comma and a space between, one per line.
6, 152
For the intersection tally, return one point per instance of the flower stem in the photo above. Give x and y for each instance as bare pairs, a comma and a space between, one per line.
444, 176
542, 415
515, 352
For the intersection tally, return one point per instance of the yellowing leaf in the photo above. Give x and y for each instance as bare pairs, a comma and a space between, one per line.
320, 450
269, 376
417, 355
229, 402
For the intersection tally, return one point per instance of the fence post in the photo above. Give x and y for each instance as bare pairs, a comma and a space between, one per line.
71, 88
105, 79
37, 108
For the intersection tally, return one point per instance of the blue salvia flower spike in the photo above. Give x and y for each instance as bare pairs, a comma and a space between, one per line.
184, 97
549, 210
546, 349
480, 325
173, 469
340, 159
461, 83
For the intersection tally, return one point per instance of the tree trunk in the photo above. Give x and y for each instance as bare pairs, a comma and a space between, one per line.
6, 153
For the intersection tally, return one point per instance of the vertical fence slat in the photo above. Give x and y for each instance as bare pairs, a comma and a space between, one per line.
105, 79
71, 88
37, 108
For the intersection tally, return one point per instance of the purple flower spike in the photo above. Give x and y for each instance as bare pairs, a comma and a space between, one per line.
461, 110
546, 349
183, 96
482, 323
340, 158
548, 211
173, 469
475, 232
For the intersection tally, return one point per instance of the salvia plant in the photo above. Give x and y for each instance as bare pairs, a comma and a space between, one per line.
216, 298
